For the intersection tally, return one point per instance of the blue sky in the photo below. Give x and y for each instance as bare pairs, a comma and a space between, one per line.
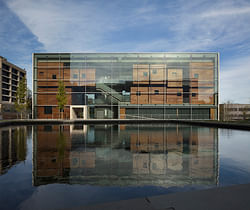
28, 26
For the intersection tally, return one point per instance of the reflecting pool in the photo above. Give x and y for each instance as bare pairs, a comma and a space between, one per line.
53, 166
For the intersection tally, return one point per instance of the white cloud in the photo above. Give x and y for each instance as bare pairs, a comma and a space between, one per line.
63, 25
223, 12
88, 25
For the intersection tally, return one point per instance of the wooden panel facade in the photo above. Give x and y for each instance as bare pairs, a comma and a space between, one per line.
157, 95
175, 77
55, 113
50, 99
202, 74
122, 113
174, 95
157, 73
139, 95
212, 114
141, 73
202, 96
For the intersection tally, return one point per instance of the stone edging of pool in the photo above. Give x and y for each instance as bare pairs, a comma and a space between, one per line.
221, 198
217, 124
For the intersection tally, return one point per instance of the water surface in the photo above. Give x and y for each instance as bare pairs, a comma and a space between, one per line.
53, 167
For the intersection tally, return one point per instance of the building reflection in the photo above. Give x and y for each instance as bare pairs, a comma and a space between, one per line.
13, 147
163, 155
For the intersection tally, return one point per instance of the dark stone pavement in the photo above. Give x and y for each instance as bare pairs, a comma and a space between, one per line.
223, 198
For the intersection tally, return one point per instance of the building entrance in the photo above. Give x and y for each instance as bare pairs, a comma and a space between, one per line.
78, 112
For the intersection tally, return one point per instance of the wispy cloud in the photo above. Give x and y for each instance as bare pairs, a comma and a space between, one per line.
225, 12
91, 25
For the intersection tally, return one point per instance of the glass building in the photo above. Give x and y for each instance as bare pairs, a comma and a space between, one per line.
127, 85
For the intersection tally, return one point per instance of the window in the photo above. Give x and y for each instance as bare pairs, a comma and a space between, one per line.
66, 65
75, 76
14, 71
5, 92
14, 82
4, 66
15, 77
178, 94
48, 110
5, 74
156, 92
145, 74
174, 73
5, 86
138, 93
196, 76
4, 79
53, 76
4, 98
41, 73
83, 76
193, 94
154, 71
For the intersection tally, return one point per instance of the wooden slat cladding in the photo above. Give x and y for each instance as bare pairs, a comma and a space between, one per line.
48, 70
55, 113
50, 64
212, 114
202, 96
202, 74
156, 95
75, 77
50, 99
141, 73
157, 73
83, 76
122, 113
174, 95
51, 90
175, 77
139, 95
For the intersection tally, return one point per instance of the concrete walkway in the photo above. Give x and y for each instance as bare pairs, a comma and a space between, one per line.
224, 198
216, 124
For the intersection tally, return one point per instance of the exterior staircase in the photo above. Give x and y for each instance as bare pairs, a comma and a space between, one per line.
115, 96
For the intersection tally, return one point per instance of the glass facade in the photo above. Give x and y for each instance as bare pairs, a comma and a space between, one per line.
127, 85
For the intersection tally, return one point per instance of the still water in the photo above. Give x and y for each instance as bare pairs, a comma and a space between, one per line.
56, 167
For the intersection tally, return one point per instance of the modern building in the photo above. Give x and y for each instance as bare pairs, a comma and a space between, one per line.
231, 112
127, 85
10, 76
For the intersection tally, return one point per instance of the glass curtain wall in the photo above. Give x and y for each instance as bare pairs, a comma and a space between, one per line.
127, 85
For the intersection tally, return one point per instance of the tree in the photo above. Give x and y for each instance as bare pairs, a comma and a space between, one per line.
29, 102
226, 110
61, 97
21, 97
